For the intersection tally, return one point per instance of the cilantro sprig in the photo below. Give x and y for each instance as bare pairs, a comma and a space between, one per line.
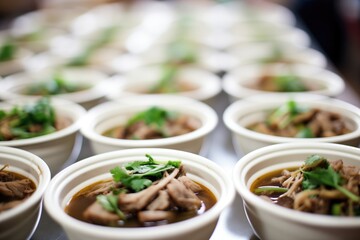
7, 51
283, 115
317, 171
153, 116
166, 82
20, 120
289, 83
139, 175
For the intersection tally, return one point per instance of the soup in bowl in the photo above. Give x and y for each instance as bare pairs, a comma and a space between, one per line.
194, 219
316, 169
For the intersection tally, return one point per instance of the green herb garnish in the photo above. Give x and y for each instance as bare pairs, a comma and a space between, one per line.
105, 37
28, 121
289, 83
139, 175
180, 52
166, 82
57, 85
109, 203
305, 132
270, 189
323, 175
7, 51
153, 116
283, 115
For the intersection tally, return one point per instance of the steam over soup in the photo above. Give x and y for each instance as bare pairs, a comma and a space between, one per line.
29, 121
154, 123
14, 189
318, 186
293, 120
142, 193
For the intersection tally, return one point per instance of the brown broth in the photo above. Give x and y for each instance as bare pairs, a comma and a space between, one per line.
79, 203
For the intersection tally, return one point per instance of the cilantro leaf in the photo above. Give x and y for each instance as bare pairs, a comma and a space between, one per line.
139, 175
109, 203
327, 177
152, 116
289, 83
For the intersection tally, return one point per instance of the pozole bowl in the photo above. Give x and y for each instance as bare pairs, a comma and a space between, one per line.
245, 80
54, 148
116, 113
21, 221
90, 170
240, 115
60, 83
270, 221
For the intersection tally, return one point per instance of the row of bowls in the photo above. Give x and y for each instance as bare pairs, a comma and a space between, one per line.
260, 214
268, 220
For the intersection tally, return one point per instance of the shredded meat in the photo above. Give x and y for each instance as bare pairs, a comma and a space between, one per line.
136, 201
16, 189
161, 202
182, 196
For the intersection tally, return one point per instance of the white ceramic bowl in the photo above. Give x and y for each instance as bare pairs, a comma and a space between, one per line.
90, 170
257, 52
111, 114
13, 86
236, 83
273, 222
243, 113
54, 148
21, 221
207, 84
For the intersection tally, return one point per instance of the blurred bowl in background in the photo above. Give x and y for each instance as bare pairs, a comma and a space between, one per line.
54, 148
80, 85
240, 115
107, 116
253, 79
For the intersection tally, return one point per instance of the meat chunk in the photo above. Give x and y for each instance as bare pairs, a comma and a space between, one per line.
161, 202
95, 213
190, 184
101, 188
182, 196
136, 201
16, 189
153, 216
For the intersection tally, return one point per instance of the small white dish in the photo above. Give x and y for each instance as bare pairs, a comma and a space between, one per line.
111, 114
243, 113
16, 85
240, 82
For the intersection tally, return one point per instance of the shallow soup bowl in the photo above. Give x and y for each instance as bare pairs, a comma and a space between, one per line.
240, 115
81, 174
21, 221
243, 81
111, 114
57, 147
273, 222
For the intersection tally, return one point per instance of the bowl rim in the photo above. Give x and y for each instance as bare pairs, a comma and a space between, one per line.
143, 102
78, 112
232, 112
44, 179
231, 84
259, 155
52, 205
